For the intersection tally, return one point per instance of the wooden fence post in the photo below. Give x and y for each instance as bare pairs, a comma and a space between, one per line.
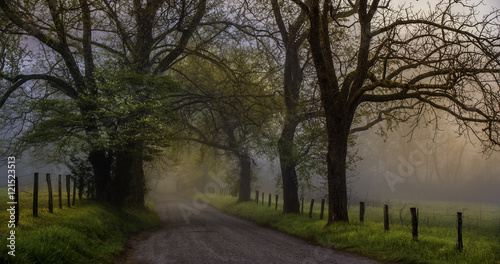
88, 189
386, 217
460, 245
68, 190
35, 195
302, 210
257, 197
60, 190
49, 187
80, 187
276, 205
270, 196
322, 209
16, 200
262, 198
361, 212
414, 223
311, 209
74, 191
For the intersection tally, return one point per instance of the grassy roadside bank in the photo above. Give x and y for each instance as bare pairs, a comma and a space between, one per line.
86, 233
436, 240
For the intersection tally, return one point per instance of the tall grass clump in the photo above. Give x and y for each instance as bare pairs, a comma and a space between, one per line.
86, 233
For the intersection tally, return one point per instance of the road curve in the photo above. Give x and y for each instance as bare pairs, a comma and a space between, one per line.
193, 232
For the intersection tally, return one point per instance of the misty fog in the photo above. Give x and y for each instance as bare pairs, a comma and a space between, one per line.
427, 164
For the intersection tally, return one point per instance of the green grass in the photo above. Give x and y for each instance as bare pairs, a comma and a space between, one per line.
86, 233
437, 230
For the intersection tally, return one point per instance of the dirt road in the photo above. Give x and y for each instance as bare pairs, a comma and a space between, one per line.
193, 232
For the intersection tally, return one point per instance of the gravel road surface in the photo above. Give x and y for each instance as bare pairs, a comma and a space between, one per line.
194, 232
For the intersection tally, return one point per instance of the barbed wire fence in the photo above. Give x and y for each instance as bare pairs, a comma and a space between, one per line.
410, 217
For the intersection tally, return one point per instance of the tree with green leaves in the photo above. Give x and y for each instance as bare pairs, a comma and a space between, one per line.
77, 38
226, 105
293, 38
301, 138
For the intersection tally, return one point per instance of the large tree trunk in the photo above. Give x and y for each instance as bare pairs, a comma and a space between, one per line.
288, 159
137, 185
129, 181
338, 126
245, 177
101, 165
288, 163
338, 112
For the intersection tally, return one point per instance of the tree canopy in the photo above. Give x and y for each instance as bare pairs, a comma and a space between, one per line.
120, 81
